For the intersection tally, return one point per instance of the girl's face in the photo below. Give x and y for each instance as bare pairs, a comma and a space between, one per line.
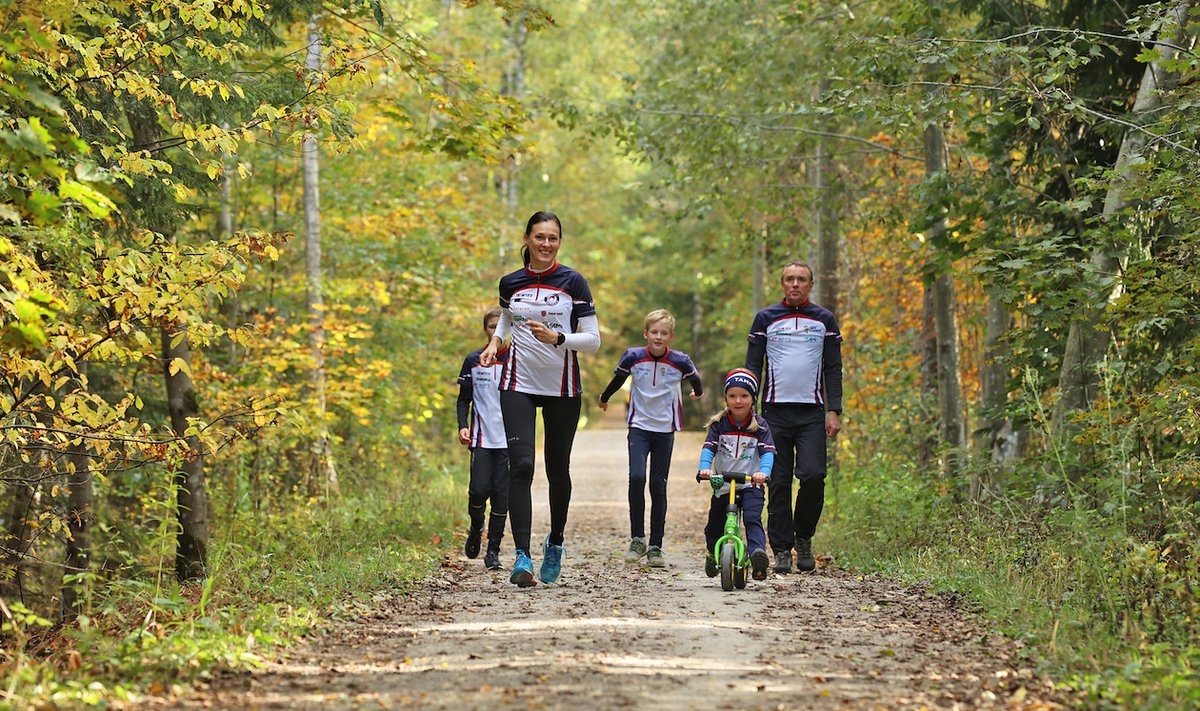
489, 329
739, 401
543, 242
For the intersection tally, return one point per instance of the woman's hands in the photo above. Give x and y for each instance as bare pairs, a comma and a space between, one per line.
543, 333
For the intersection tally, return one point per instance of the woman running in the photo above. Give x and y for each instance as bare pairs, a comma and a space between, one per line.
548, 314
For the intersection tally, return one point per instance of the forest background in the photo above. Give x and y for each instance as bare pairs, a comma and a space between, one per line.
245, 247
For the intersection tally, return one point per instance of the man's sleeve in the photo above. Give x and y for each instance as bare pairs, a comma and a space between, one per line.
831, 365
756, 347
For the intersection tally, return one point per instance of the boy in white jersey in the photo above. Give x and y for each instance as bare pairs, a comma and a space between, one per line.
655, 414
479, 399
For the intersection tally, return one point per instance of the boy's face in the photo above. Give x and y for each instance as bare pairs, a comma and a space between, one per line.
739, 401
658, 337
489, 328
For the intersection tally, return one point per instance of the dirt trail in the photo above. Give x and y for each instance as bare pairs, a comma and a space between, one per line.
617, 635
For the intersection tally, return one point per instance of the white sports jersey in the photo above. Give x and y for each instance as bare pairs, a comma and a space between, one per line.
802, 344
655, 401
487, 424
558, 298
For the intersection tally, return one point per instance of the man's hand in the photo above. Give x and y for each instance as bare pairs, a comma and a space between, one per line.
833, 424
603, 404
464, 436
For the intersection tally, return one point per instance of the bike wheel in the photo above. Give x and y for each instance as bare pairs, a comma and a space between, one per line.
739, 577
728, 565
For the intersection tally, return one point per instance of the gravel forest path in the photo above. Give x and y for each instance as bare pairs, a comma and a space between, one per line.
612, 635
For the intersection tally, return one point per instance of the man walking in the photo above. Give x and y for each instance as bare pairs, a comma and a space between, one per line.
799, 344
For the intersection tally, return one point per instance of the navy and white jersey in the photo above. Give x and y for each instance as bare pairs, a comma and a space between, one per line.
802, 348
479, 390
735, 449
557, 297
655, 401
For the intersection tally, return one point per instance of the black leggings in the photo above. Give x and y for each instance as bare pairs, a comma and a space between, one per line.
560, 418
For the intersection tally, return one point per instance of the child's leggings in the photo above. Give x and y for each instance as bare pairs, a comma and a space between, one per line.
489, 480
560, 417
751, 501
657, 447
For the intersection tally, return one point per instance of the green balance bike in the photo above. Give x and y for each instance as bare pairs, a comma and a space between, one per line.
730, 550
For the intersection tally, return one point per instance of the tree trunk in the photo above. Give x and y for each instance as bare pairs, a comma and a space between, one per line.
953, 430
191, 552
18, 537
80, 516
926, 451
827, 281
512, 84
323, 460
994, 437
758, 268
1086, 340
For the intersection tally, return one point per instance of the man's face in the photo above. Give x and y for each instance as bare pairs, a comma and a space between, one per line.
797, 284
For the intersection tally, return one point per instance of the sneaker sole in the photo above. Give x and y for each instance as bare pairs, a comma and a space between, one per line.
758, 565
522, 578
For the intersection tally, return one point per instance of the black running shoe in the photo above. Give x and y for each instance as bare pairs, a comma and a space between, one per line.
758, 564
471, 547
491, 560
804, 555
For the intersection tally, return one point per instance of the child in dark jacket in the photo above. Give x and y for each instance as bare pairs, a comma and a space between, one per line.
739, 441
479, 401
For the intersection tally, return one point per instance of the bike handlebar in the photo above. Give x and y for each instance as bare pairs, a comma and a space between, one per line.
730, 476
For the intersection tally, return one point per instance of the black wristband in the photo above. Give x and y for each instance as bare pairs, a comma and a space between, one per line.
562, 338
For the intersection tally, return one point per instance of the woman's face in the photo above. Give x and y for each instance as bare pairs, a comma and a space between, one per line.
543, 242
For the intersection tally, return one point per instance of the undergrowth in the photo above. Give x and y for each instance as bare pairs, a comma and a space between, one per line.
1099, 589
273, 578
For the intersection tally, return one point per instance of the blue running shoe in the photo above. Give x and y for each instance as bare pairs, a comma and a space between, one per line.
522, 572
551, 561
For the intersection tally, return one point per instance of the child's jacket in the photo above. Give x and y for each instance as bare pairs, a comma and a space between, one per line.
479, 393
731, 448
655, 402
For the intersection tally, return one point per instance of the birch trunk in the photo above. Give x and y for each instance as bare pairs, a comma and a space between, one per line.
323, 460
512, 85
